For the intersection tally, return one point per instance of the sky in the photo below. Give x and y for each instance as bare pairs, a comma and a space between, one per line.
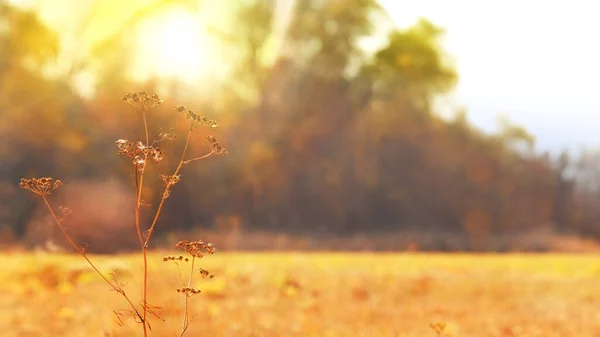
536, 62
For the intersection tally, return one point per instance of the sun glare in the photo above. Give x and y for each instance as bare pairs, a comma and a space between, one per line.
172, 45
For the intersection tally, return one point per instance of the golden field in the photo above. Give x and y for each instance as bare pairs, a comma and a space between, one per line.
311, 294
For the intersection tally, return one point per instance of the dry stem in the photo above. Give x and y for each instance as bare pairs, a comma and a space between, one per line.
82, 252
138, 191
186, 320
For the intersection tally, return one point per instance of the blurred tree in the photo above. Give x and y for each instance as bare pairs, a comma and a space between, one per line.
31, 103
307, 109
323, 35
413, 64
323, 136
25, 41
585, 213
515, 135
396, 88
564, 190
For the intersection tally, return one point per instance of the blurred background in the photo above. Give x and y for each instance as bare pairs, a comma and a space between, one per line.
351, 124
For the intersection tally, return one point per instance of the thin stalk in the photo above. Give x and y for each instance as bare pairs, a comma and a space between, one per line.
82, 252
139, 188
186, 320
201, 157
145, 287
137, 203
145, 125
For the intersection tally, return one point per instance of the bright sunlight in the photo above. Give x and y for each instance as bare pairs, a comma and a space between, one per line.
173, 45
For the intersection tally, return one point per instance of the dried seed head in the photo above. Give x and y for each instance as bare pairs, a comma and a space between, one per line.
196, 248
174, 258
142, 100
40, 186
188, 291
205, 273
216, 146
194, 120
139, 152
126, 148
156, 154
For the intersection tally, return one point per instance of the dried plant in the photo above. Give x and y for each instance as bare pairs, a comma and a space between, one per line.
196, 250
141, 153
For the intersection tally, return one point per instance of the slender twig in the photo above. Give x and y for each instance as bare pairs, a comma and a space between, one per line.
145, 125
137, 223
167, 189
180, 275
199, 158
82, 252
137, 203
186, 320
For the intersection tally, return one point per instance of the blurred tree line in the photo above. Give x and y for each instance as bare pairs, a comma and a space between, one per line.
323, 138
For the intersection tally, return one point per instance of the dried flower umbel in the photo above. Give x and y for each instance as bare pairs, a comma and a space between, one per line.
142, 100
216, 146
194, 120
138, 152
196, 248
40, 186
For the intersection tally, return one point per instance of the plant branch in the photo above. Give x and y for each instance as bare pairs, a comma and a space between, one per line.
82, 252
199, 158
167, 189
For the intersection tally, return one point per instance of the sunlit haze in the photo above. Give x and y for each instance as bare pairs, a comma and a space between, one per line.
535, 62
172, 45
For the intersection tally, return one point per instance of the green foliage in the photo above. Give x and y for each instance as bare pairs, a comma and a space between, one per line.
412, 62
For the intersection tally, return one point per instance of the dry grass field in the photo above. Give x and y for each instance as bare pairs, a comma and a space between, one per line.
312, 294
